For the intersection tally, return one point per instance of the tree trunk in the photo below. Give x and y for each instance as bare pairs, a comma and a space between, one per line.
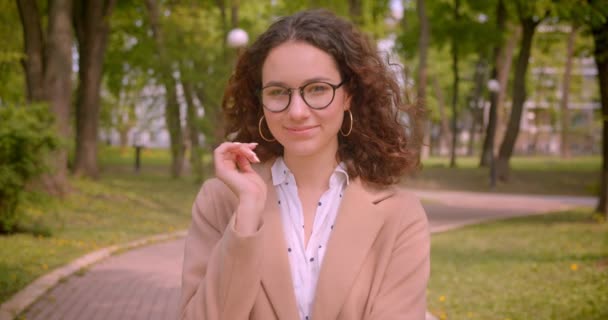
172, 112
564, 145
506, 61
519, 97
123, 136
234, 13
472, 132
424, 39
444, 132
58, 86
456, 84
419, 131
600, 39
33, 40
476, 109
173, 122
355, 11
92, 24
196, 161
487, 153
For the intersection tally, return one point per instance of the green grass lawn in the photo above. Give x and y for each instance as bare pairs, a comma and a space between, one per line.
120, 207
553, 266
530, 175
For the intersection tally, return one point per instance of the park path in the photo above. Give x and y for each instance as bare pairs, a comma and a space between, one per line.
145, 283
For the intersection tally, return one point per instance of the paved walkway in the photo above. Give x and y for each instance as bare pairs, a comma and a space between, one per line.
144, 283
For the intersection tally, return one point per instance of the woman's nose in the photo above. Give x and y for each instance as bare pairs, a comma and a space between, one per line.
298, 108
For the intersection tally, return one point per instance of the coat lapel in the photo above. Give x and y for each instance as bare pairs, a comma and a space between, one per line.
354, 232
276, 274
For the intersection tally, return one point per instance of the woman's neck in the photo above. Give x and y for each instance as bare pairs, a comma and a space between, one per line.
312, 171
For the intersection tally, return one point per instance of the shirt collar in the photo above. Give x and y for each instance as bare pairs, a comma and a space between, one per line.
281, 174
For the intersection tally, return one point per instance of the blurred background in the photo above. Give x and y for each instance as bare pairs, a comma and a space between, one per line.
109, 112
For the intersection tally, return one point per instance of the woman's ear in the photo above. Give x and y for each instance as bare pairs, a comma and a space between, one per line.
347, 102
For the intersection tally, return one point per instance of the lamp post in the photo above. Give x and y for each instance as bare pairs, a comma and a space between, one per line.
493, 87
138, 146
237, 38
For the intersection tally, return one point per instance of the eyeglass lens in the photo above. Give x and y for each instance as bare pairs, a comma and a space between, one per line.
316, 95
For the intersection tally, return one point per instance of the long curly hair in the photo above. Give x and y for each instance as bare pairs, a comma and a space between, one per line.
378, 150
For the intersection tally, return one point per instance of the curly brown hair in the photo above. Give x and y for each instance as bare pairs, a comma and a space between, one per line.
378, 150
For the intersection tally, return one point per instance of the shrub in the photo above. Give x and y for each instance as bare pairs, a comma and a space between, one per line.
26, 136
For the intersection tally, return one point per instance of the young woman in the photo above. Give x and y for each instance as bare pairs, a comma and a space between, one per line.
305, 218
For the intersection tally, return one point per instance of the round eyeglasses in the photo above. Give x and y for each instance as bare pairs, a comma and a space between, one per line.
317, 95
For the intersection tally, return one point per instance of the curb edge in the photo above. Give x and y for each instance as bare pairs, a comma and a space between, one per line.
28, 295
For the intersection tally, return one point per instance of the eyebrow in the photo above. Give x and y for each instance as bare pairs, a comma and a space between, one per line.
307, 81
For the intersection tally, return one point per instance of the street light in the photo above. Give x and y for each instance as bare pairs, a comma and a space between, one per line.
138, 145
493, 87
237, 38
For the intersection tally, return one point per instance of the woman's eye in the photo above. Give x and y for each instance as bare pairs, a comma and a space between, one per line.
277, 92
317, 88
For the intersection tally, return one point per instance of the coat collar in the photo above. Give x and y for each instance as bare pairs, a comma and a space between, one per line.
358, 222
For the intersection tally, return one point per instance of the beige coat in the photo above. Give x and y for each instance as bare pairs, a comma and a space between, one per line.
376, 265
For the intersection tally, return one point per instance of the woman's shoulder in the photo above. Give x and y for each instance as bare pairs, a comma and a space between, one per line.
405, 205
394, 194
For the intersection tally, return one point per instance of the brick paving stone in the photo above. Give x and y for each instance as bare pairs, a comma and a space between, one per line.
139, 284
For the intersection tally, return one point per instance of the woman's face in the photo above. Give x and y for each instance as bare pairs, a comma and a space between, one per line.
301, 130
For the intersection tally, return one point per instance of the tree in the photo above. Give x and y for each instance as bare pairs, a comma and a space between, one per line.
34, 44
600, 53
11, 57
476, 99
48, 70
565, 150
530, 14
444, 126
355, 11
92, 25
487, 153
172, 111
455, 88
448, 26
424, 39
196, 160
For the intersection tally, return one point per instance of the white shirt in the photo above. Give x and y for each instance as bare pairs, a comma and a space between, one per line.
306, 262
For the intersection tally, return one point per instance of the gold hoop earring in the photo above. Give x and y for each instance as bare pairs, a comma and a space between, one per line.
351, 125
260, 131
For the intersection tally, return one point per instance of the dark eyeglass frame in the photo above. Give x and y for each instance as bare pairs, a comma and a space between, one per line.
301, 90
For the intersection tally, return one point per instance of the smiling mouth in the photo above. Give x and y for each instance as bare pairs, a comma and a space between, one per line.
300, 129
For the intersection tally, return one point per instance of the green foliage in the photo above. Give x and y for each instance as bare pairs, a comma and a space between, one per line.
26, 135
475, 33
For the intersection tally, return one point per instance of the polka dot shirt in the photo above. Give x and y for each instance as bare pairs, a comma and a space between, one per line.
305, 262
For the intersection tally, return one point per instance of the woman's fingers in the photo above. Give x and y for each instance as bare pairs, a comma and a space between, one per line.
245, 151
236, 153
233, 166
243, 163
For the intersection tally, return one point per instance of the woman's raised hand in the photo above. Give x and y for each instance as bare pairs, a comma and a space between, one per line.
233, 166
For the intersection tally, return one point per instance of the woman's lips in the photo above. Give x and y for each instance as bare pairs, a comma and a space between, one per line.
300, 129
